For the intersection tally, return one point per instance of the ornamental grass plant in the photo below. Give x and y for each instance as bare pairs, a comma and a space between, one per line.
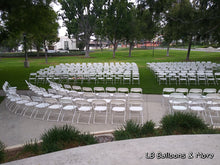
182, 123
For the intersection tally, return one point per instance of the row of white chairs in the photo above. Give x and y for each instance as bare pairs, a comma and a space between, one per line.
125, 73
134, 105
95, 89
65, 108
187, 73
187, 66
205, 106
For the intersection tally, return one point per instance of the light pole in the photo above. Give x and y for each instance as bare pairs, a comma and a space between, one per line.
26, 63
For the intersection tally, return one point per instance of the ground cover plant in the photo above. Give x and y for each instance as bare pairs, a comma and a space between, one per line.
1, 98
172, 124
12, 69
183, 123
2, 152
131, 130
54, 139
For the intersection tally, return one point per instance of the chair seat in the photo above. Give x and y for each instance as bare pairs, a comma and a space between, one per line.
55, 106
179, 108
42, 105
197, 108
85, 108
47, 95
69, 107
215, 108
118, 109
136, 108
100, 108
56, 96
22, 102
31, 103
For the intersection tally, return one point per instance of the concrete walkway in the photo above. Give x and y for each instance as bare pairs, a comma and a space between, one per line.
187, 149
16, 129
167, 150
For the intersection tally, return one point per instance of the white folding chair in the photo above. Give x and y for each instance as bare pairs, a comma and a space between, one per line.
214, 112
134, 107
55, 109
99, 107
179, 104
198, 106
118, 107
68, 109
83, 107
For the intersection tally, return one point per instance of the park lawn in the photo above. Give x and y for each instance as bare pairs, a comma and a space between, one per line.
12, 69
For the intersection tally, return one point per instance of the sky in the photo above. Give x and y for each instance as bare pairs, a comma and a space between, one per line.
62, 30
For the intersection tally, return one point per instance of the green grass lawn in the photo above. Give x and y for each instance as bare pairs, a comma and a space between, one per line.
12, 69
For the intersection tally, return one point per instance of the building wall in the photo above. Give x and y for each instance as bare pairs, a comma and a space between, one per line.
71, 43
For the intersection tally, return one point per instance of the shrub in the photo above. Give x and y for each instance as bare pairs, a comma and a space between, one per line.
2, 151
128, 131
133, 129
32, 147
121, 134
148, 128
59, 138
182, 123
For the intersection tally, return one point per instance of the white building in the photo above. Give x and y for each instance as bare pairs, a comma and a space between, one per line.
65, 43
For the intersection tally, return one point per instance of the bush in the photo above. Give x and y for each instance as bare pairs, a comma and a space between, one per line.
64, 137
148, 128
42, 54
182, 123
133, 130
32, 147
128, 131
2, 151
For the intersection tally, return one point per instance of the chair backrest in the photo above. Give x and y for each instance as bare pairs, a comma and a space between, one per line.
138, 103
25, 97
99, 103
104, 95
80, 103
119, 96
36, 98
118, 103
134, 96
123, 90
87, 89
110, 89
51, 100
66, 100
136, 90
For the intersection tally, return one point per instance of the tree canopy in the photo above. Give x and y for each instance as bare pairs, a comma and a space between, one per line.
34, 18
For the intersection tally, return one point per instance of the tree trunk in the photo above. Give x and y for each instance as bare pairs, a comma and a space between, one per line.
45, 52
114, 48
130, 48
87, 50
46, 55
38, 51
189, 48
168, 50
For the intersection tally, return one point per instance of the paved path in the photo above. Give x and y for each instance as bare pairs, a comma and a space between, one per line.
187, 149
16, 129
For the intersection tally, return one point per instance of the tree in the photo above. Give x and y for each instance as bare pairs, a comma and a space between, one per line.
194, 20
148, 17
115, 21
130, 32
17, 17
80, 19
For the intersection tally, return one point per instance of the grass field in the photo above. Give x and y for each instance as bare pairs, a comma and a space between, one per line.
12, 69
